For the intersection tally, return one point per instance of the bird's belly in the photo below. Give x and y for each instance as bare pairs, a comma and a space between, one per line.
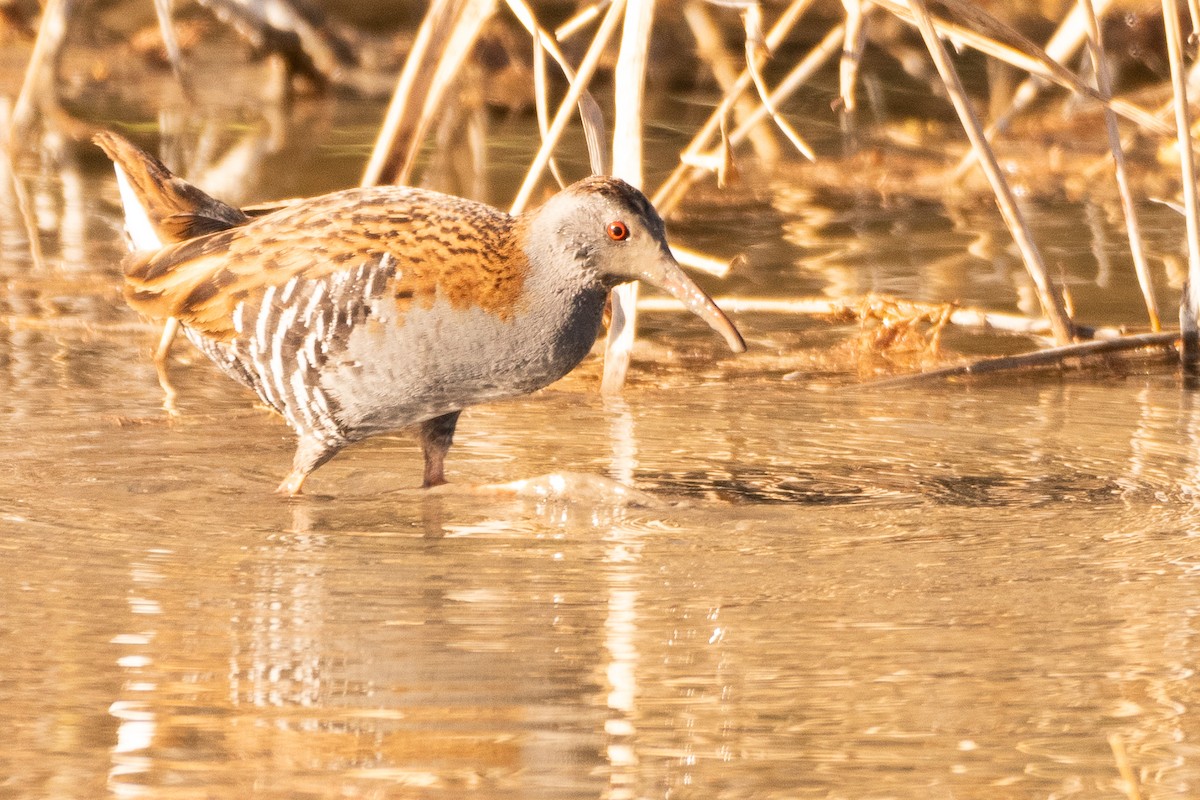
394, 373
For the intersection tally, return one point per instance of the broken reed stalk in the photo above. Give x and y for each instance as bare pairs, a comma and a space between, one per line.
566, 108
1042, 65
1189, 307
1066, 40
852, 52
671, 193
757, 52
629, 83
1012, 43
444, 42
1048, 293
686, 172
825, 50
710, 47
1037, 358
1132, 228
589, 109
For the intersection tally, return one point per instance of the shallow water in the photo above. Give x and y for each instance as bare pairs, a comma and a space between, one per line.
934, 593
816, 590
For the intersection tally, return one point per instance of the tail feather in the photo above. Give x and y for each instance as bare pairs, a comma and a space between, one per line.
161, 209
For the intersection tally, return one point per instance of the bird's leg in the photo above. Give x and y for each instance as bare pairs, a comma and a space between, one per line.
161, 354
310, 454
436, 436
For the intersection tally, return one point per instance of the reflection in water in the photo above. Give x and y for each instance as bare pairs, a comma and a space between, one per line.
1191, 436
134, 712
620, 625
276, 657
620, 642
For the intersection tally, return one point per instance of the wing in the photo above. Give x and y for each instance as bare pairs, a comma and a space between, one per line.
415, 245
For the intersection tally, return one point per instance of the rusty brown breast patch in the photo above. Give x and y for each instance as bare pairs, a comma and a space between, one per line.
467, 253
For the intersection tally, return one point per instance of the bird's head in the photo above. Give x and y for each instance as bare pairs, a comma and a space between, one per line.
609, 230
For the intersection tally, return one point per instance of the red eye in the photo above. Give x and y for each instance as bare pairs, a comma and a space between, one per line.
618, 231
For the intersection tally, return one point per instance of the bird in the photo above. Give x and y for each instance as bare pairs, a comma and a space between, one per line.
371, 310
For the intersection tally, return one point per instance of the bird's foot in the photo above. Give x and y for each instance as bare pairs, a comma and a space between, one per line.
293, 484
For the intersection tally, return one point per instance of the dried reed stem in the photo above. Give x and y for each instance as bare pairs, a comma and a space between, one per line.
39, 92
710, 47
1048, 293
825, 50
692, 167
1189, 308
1066, 40
629, 89
756, 53
162, 9
589, 109
442, 45
578, 85
1133, 229
38, 95
693, 259
24, 203
852, 52
673, 189
1043, 65
541, 99
973, 318
578, 22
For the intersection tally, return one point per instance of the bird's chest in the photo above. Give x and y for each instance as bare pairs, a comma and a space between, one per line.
403, 365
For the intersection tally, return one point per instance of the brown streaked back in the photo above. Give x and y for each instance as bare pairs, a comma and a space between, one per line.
466, 252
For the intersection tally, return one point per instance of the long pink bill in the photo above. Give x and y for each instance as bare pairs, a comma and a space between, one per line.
666, 274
